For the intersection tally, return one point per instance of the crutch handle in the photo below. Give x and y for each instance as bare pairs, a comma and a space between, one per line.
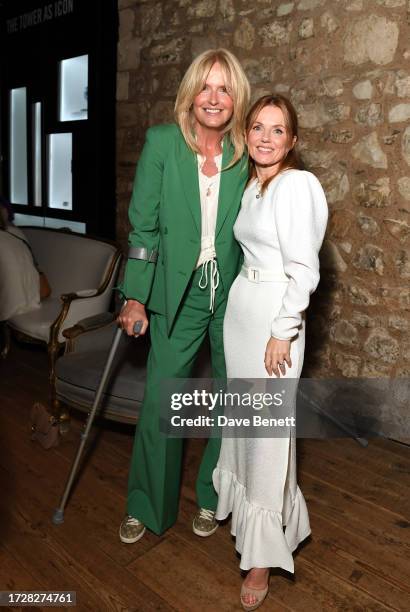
137, 327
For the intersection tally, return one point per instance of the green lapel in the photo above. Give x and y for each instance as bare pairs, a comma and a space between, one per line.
228, 187
188, 169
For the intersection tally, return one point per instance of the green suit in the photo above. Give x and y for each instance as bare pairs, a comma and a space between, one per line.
165, 215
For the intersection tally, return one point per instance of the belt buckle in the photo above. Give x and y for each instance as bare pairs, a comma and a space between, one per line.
253, 275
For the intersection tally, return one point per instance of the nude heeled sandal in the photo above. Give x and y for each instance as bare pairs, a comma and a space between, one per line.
260, 595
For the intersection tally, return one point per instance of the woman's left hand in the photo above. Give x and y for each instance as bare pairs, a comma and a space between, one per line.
276, 355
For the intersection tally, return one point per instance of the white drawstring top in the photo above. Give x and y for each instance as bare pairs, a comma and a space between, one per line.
209, 195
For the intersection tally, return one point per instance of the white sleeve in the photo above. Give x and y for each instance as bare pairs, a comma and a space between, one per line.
301, 213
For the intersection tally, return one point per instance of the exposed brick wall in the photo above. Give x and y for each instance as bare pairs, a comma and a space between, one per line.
346, 66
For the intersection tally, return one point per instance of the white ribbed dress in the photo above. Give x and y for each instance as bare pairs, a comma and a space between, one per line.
255, 478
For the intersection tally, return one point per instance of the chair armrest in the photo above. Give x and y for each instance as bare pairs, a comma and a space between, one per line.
77, 295
76, 307
99, 338
89, 324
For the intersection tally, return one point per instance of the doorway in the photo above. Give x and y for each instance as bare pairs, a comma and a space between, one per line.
58, 83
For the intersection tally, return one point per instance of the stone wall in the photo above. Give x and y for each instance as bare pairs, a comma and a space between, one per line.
346, 66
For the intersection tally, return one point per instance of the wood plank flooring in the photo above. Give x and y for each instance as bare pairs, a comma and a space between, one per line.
358, 558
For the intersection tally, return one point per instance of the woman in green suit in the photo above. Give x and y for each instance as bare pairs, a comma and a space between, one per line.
182, 261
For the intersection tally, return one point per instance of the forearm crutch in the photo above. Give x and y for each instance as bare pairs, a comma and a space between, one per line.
58, 516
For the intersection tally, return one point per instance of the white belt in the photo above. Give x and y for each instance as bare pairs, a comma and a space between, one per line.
213, 279
257, 275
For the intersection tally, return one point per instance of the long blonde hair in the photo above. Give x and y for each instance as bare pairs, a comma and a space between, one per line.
238, 88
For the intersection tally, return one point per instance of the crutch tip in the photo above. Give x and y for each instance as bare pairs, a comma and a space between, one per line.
58, 517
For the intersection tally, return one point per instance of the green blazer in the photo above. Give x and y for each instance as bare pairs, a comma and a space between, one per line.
165, 214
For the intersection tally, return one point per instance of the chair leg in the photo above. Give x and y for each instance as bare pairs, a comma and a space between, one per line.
53, 350
5, 339
56, 408
63, 415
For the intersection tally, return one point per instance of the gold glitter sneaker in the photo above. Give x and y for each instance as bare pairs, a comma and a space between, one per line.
131, 530
204, 523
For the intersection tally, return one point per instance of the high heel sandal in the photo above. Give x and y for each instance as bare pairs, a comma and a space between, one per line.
260, 595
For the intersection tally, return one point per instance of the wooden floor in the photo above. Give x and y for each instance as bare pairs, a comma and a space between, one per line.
356, 560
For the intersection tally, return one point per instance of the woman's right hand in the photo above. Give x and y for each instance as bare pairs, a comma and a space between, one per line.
132, 312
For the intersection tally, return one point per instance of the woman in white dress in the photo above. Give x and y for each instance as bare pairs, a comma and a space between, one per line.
280, 228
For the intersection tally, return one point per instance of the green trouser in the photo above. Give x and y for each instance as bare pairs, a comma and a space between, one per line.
155, 471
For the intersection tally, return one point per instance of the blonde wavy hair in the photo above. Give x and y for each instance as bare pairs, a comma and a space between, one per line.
238, 88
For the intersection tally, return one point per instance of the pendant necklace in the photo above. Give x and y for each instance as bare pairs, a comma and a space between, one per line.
209, 188
211, 182
259, 189
202, 161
